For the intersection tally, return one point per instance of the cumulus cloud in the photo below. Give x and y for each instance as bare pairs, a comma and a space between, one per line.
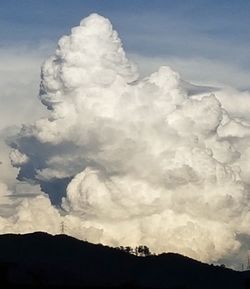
19, 82
198, 69
133, 161
21, 204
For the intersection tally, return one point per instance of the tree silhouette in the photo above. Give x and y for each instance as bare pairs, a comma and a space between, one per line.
129, 250
142, 251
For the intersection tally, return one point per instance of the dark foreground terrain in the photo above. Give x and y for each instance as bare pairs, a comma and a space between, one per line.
40, 260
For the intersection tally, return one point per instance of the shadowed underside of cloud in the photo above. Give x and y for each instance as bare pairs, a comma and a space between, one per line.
133, 161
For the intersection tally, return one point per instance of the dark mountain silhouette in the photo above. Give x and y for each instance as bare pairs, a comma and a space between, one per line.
39, 260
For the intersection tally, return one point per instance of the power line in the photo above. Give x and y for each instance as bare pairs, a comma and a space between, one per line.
62, 228
248, 261
65, 229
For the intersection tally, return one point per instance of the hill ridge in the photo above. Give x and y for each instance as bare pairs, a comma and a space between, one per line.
63, 261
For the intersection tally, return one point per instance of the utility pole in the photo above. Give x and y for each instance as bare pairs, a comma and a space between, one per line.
62, 228
248, 261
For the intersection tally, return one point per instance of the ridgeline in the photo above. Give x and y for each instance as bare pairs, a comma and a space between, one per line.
40, 260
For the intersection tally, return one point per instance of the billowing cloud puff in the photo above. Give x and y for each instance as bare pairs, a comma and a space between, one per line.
134, 161
32, 214
17, 158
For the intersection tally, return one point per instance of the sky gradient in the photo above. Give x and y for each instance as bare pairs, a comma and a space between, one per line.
197, 33
107, 123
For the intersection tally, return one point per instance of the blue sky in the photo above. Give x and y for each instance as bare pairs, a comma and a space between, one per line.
206, 30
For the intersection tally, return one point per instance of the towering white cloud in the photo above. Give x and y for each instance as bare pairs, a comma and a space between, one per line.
134, 161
